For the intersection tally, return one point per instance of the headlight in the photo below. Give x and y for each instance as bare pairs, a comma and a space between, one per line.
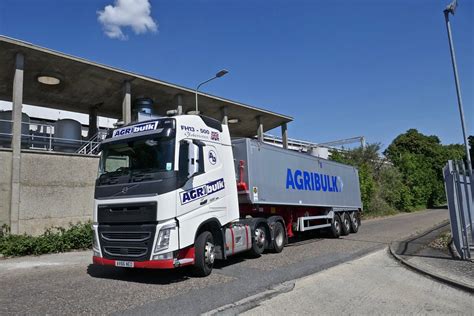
163, 241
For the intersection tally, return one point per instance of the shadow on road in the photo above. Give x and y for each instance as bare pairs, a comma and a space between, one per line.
347, 238
418, 246
148, 276
156, 276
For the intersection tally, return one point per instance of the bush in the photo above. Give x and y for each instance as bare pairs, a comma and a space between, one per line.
409, 178
420, 159
56, 239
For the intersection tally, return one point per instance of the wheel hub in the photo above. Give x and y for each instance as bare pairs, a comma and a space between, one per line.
279, 239
260, 237
354, 221
209, 254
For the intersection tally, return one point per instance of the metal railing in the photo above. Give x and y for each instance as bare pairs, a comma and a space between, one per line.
459, 193
5, 131
39, 136
91, 147
292, 142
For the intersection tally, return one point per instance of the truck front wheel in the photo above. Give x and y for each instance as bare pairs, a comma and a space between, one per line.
204, 254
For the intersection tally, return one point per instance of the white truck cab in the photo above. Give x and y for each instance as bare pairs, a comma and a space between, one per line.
160, 183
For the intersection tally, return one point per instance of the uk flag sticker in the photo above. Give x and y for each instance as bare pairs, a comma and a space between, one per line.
215, 136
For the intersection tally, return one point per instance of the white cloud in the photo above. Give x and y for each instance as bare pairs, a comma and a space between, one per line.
127, 13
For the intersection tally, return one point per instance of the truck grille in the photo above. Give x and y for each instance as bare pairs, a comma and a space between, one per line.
127, 242
132, 213
126, 251
126, 236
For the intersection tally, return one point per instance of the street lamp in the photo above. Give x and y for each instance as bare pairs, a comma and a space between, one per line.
451, 8
221, 73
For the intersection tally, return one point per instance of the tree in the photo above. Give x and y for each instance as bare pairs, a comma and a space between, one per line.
411, 175
421, 159
368, 162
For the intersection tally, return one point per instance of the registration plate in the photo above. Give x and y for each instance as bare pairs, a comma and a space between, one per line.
124, 264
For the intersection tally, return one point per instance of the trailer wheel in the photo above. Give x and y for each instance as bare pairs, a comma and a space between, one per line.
346, 224
279, 237
355, 223
336, 226
260, 239
204, 254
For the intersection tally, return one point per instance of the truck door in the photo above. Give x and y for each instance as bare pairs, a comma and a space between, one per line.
203, 192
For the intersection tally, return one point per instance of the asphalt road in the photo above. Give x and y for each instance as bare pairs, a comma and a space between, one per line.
67, 283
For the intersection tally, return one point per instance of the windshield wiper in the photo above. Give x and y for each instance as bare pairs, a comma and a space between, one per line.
143, 174
113, 177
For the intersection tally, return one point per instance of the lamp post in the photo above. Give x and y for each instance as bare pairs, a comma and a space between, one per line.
451, 8
221, 73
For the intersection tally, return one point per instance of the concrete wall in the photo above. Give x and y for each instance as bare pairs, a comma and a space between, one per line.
5, 185
55, 189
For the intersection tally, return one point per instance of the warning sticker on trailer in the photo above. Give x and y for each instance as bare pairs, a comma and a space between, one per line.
255, 194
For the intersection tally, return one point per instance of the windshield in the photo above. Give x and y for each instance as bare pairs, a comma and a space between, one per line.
138, 156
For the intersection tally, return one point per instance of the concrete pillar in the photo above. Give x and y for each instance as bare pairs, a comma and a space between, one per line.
284, 135
179, 104
225, 118
127, 103
259, 129
93, 126
16, 143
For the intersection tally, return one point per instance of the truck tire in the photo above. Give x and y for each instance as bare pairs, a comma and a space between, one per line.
355, 222
345, 224
278, 237
259, 241
336, 226
204, 255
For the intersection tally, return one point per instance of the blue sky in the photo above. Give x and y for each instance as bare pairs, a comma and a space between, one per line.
341, 68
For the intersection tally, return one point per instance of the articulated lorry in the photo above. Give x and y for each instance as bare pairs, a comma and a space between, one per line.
178, 191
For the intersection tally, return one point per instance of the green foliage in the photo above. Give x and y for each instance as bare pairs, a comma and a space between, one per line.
377, 179
392, 189
367, 183
421, 159
56, 239
412, 176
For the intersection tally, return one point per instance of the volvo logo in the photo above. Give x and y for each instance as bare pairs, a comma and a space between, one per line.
124, 190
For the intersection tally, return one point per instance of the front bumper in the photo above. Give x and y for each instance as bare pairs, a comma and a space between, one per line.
134, 242
183, 257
